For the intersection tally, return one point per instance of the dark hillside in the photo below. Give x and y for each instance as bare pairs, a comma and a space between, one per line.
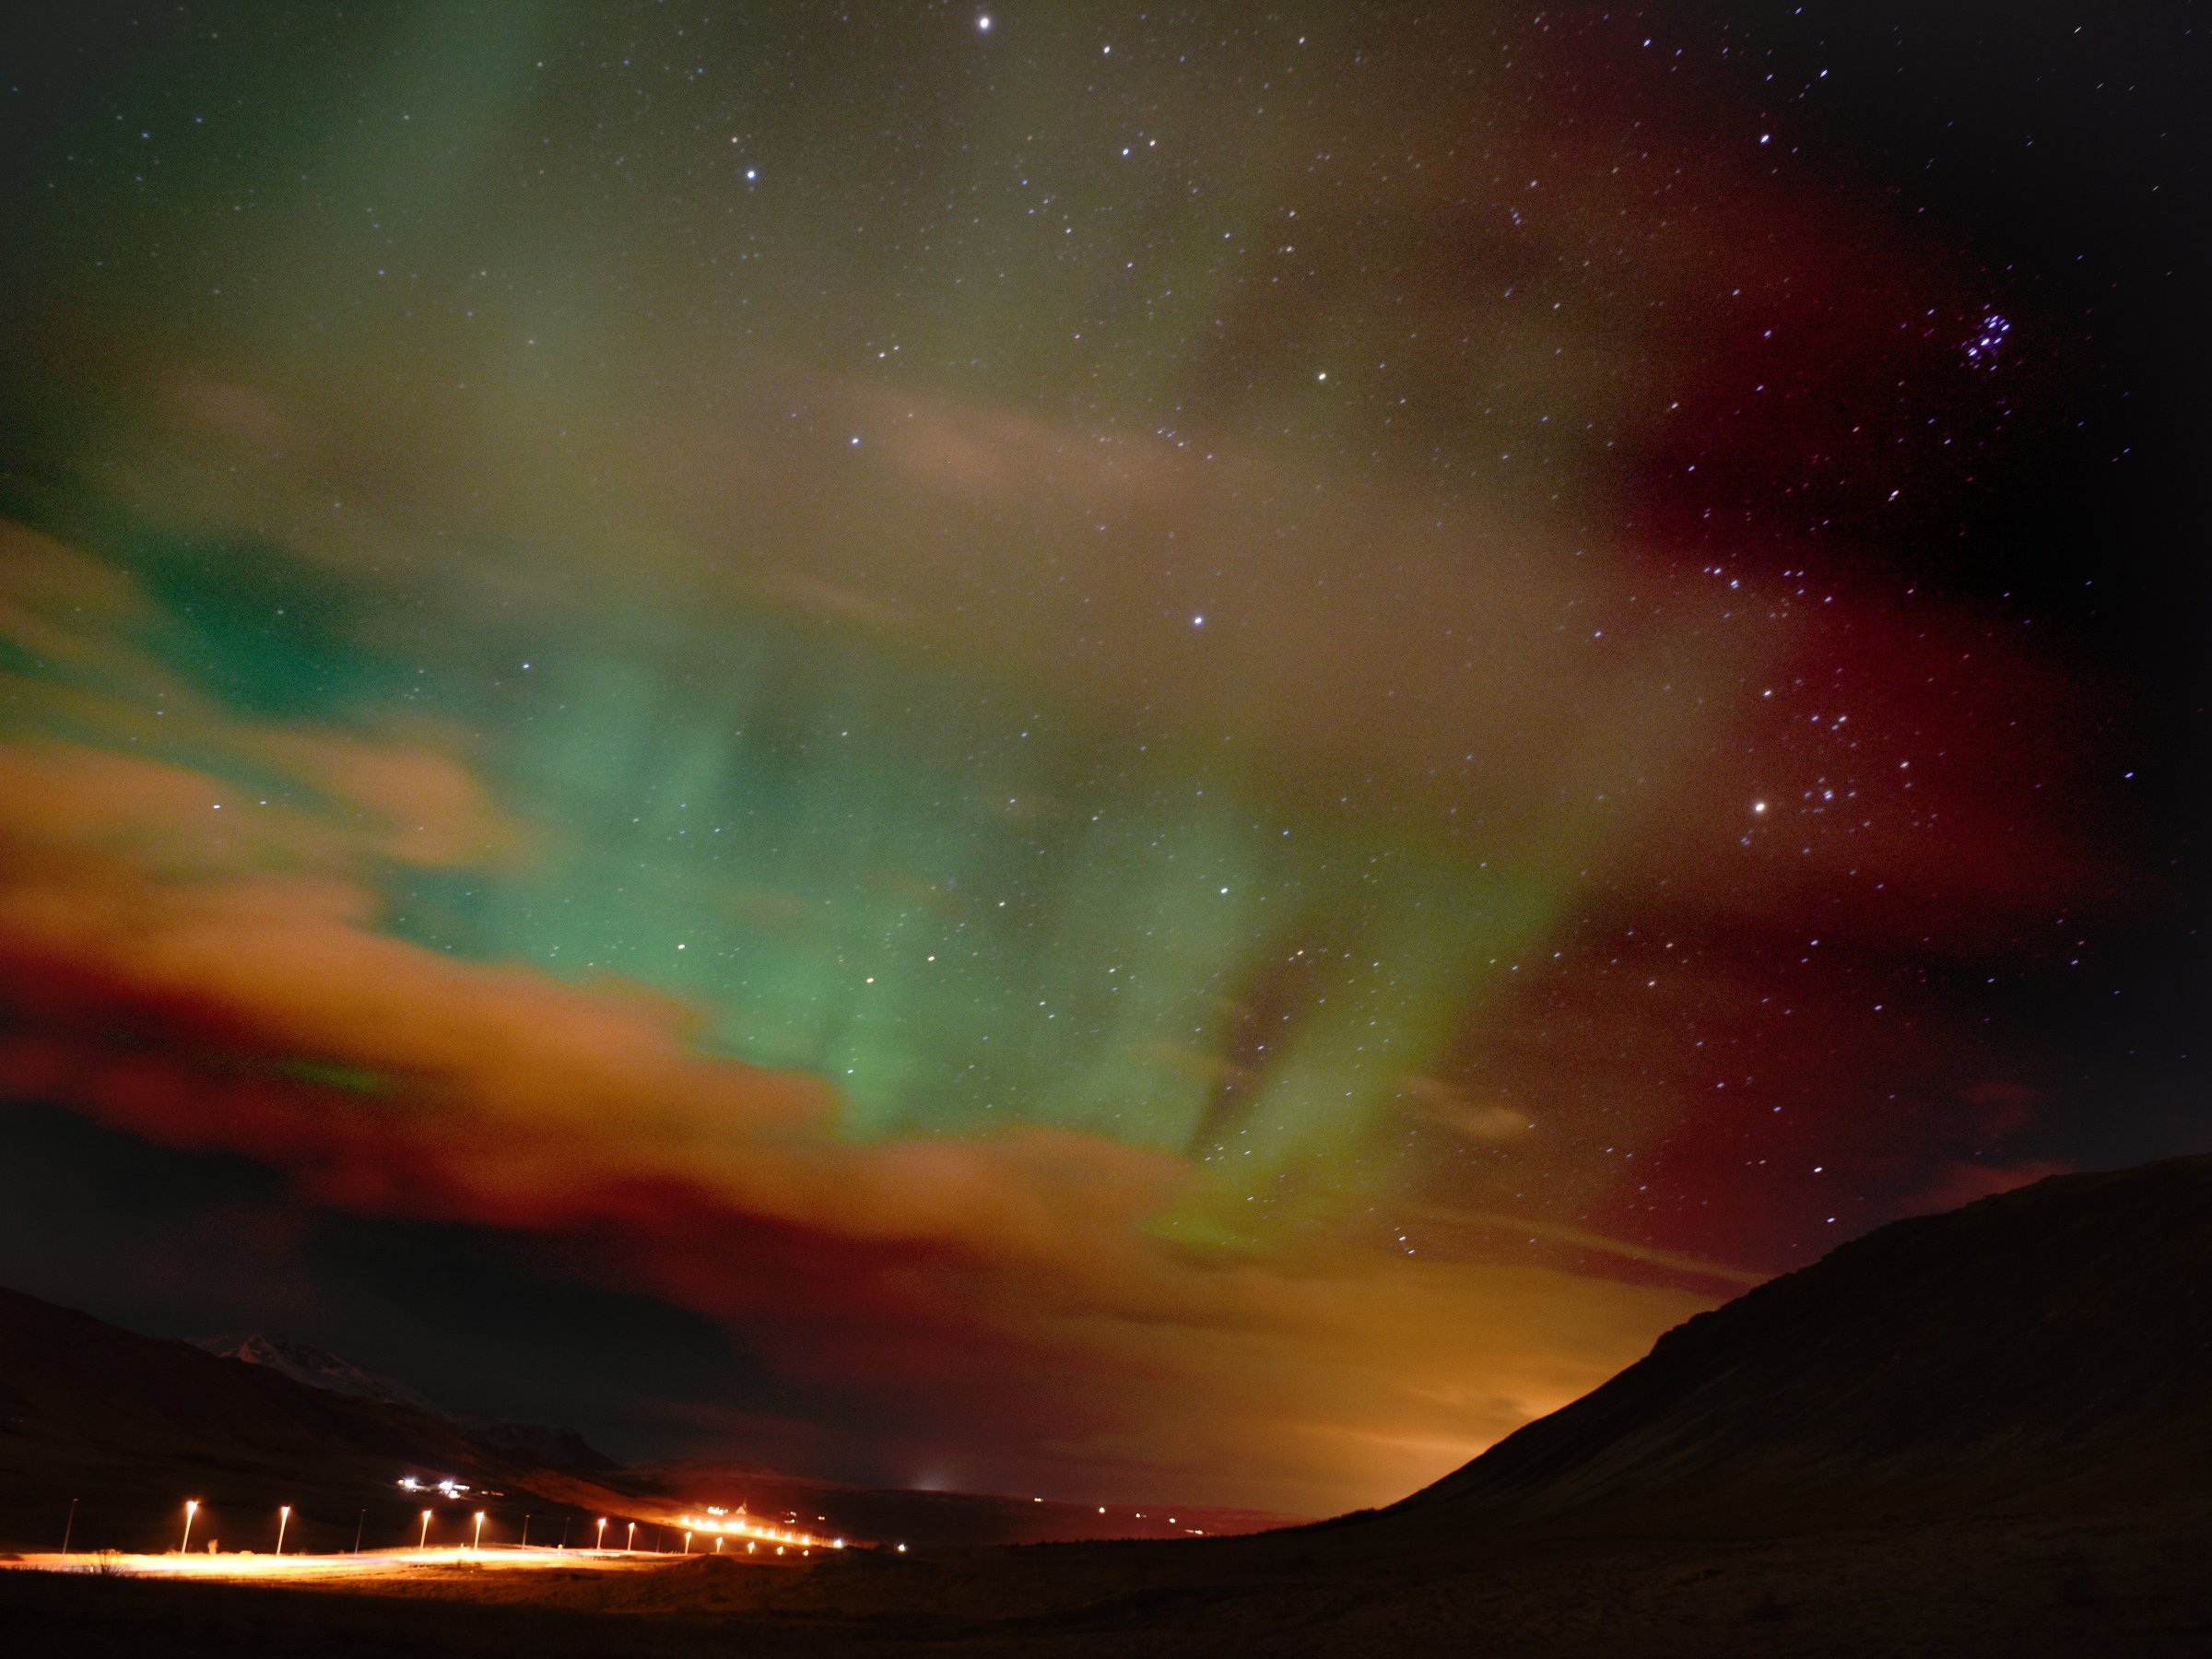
2047, 1347
132, 1426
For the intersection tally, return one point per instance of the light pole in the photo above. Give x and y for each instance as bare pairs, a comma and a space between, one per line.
191, 1508
631, 1542
526, 1530
360, 1522
686, 1543
69, 1526
284, 1519
602, 1544
478, 1543
424, 1542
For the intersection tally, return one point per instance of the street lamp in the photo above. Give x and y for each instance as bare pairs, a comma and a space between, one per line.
478, 1542
686, 1543
601, 1545
191, 1508
284, 1519
424, 1542
630, 1542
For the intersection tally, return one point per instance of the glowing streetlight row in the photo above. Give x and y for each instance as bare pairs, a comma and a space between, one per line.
712, 1522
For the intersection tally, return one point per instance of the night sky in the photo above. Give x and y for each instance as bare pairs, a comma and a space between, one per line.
1121, 753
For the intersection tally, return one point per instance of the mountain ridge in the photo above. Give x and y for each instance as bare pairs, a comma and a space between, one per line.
135, 1424
554, 1444
317, 1367
1973, 1357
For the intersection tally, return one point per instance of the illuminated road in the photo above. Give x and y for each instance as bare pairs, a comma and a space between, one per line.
368, 1564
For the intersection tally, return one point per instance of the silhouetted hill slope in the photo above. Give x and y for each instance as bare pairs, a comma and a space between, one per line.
67, 1377
130, 1422
557, 1448
318, 1367
550, 1444
2049, 1345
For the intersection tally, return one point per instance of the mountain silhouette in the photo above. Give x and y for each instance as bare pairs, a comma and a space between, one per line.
559, 1448
133, 1425
318, 1367
2050, 1345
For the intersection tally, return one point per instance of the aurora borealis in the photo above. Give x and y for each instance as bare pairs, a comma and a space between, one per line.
1125, 754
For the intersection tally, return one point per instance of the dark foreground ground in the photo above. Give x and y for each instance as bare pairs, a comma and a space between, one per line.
2017, 1588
